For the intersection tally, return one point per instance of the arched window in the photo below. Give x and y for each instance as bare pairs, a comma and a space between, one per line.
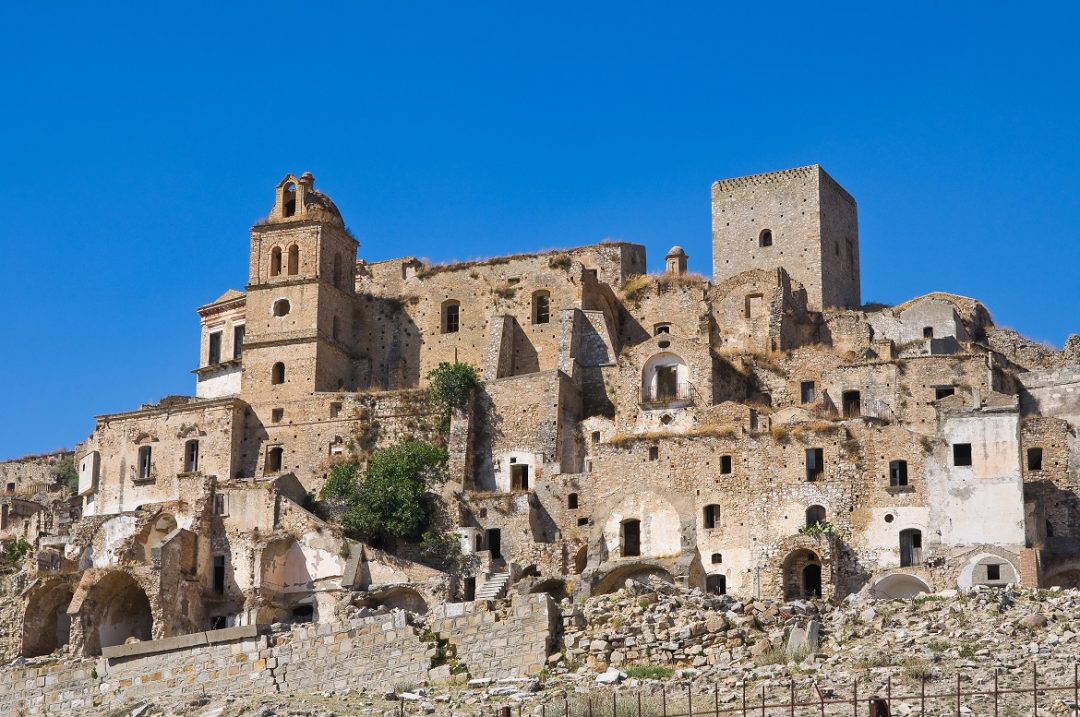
191, 456
717, 558
716, 584
631, 538
294, 260
665, 380
451, 316
274, 458
275, 261
288, 201
910, 547
815, 515
277, 373
765, 238
897, 473
541, 307
711, 517
282, 307
571, 501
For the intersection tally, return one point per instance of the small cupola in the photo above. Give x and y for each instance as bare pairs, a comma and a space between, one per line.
296, 199
676, 260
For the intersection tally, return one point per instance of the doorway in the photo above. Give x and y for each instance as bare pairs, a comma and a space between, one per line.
494, 543
631, 538
812, 580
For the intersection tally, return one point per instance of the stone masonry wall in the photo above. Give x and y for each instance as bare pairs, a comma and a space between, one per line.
513, 642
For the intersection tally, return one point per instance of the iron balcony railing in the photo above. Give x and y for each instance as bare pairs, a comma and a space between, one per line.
666, 395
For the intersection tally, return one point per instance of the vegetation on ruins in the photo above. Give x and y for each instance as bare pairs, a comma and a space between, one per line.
390, 500
823, 527
452, 384
14, 553
66, 473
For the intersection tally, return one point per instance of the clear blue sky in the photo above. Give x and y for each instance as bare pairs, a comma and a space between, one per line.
140, 143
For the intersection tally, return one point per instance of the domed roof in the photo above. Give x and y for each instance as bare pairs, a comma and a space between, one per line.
316, 205
676, 251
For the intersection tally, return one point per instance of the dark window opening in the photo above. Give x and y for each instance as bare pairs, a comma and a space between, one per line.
219, 622
571, 501
716, 584
219, 574
812, 580
541, 307
238, 341
654, 453
716, 558
145, 464
852, 402
807, 392
582, 521
281, 308
451, 317
191, 456
897, 473
214, 353
277, 373
494, 543
631, 538
1049, 529
815, 515
943, 392
815, 463
288, 201
993, 572
303, 613
765, 238
275, 261
725, 464
928, 332
274, 458
661, 329
294, 260
470, 589
667, 382
519, 477
1034, 458
711, 516
276, 415
219, 504
961, 454
596, 437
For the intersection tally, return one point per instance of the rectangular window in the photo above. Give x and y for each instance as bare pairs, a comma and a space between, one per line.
1034, 459
897, 473
807, 392
928, 332
238, 341
815, 463
145, 463
519, 477
755, 305
961, 454
941, 392
654, 453
276, 415
221, 505
214, 353
725, 464
711, 516
191, 456
453, 318
993, 572
596, 437
219, 574
335, 410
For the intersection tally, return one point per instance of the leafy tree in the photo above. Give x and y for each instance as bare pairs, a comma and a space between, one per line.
15, 552
442, 551
65, 472
451, 386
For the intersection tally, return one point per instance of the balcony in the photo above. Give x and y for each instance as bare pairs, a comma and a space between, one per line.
667, 395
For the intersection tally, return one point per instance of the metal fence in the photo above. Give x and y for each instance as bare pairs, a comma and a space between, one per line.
1006, 695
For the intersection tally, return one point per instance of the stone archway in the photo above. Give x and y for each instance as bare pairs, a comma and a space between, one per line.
46, 624
802, 575
617, 578
899, 585
118, 611
401, 598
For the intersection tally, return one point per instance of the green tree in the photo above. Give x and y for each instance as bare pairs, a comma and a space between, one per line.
451, 386
65, 472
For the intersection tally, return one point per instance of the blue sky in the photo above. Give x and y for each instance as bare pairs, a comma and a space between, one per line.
140, 143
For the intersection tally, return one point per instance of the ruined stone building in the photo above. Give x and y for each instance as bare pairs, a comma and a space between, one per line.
763, 433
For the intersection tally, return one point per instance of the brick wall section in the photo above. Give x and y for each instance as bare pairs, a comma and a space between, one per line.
513, 642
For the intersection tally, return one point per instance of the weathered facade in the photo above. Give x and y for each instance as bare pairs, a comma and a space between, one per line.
763, 433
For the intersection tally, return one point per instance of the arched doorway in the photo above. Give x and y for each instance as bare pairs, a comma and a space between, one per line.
120, 611
812, 581
716, 584
46, 624
802, 575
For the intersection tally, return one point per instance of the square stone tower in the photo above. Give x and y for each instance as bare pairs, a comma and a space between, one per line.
799, 219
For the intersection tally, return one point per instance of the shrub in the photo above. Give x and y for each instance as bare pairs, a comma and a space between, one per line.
452, 384
649, 672
441, 551
817, 529
65, 472
15, 552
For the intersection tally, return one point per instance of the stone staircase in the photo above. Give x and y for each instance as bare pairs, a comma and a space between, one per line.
494, 586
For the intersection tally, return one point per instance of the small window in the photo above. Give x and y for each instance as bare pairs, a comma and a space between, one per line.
219, 574
277, 373
294, 260
541, 307
993, 572
928, 332
725, 465
631, 538
276, 415
961, 454
1034, 456
815, 515
451, 316
765, 238
754, 305
275, 261
897, 473
220, 504
282, 307
716, 584
191, 456
815, 463
582, 521
274, 458
214, 354
711, 517
943, 392
716, 558
10, 487
807, 392
145, 463
596, 438
852, 402
238, 341
288, 201
519, 477
654, 453
571, 501
661, 329
335, 409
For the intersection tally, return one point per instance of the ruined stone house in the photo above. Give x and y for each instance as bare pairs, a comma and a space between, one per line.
762, 433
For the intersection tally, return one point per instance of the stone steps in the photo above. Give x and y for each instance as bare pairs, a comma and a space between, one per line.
494, 586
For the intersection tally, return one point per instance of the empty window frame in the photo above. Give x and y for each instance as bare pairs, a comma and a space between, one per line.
275, 261
993, 572
572, 501
941, 392
145, 467
815, 515
754, 305
765, 238
275, 456
288, 201
710, 517
191, 456
716, 559
631, 538
541, 307
661, 329
897, 473
519, 477
294, 260
1035, 459
654, 453
815, 463
961, 454
928, 332
725, 465
219, 574
238, 340
276, 415
221, 504
335, 409
716, 584
451, 316
277, 373
213, 354
852, 404
807, 392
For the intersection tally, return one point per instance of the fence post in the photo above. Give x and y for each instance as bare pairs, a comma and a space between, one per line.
995, 692
792, 697
689, 700
744, 697
922, 697
1035, 685
957, 694
763, 701
888, 694
855, 698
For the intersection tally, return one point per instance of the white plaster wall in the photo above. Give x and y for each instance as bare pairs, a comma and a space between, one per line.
225, 383
88, 472
502, 477
939, 314
660, 526
881, 539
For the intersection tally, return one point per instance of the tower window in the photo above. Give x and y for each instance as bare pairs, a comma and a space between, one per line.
661, 329
214, 353
191, 456
282, 307
815, 463
238, 341
807, 392
541, 307
451, 316
145, 463
710, 517
897, 473
288, 201
274, 458
1034, 456
961, 454
275, 261
277, 373
219, 574
654, 453
765, 238
294, 260
725, 465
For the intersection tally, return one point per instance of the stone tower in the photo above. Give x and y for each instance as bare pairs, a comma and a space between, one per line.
799, 219
300, 297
